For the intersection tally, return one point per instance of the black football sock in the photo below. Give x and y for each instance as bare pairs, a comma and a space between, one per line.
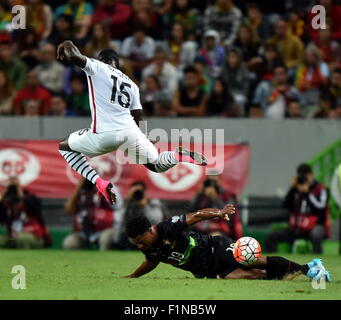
278, 267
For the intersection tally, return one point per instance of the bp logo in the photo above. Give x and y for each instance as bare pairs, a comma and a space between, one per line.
20, 163
181, 177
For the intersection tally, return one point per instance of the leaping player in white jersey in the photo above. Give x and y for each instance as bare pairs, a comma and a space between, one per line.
116, 111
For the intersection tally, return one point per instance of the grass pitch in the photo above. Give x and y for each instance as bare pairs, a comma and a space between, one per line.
53, 274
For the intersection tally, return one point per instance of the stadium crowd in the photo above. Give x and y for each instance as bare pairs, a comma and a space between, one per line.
225, 58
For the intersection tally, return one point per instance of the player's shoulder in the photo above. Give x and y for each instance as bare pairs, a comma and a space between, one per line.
171, 221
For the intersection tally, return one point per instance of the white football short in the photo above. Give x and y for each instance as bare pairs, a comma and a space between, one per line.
131, 141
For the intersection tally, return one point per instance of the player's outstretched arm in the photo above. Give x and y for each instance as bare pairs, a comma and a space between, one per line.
145, 267
67, 50
205, 214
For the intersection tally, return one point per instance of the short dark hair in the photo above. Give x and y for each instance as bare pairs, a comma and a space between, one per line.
304, 169
294, 100
59, 95
190, 69
137, 226
282, 66
108, 56
336, 70
139, 183
66, 17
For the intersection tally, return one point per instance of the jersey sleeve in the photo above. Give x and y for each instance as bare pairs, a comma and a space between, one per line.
136, 103
173, 227
91, 66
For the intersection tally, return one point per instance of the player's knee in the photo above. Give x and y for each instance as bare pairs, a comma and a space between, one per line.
106, 239
72, 242
153, 155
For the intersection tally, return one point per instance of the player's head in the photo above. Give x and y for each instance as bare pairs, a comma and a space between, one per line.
110, 57
305, 173
141, 233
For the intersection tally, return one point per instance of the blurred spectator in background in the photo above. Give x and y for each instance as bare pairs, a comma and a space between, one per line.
181, 51
137, 204
150, 87
138, 51
307, 203
115, 14
296, 24
273, 96
290, 46
151, 94
5, 16
63, 30
220, 102
78, 99
163, 105
39, 18
81, 12
21, 213
330, 49
146, 16
212, 53
92, 218
59, 107
32, 91
6, 94
31, 108
237, 76
331, 96
163, 70
225, 18
335, 113
294, 109
162, 7
190, 99
188, 16
27, 48
260, 26
13, 67
311, 76
100, 40
246, 44
322, 111
265, 65
205, 80
50, 71
213, 195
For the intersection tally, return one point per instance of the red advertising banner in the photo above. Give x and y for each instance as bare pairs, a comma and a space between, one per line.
42, 170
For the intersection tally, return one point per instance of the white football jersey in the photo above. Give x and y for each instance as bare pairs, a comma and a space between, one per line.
112, 95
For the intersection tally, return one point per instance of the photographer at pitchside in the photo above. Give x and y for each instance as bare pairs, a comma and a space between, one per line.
307, 203
213, 195
138, 204
21, 213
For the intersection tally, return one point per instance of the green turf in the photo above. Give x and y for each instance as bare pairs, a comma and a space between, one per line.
54, 274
